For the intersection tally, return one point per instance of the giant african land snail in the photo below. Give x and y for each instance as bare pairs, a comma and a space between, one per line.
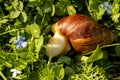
83, 33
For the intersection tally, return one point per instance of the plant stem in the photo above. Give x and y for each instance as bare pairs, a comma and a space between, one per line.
86, 2
2, 75
110, 45
10, 31
116, 44
43, 19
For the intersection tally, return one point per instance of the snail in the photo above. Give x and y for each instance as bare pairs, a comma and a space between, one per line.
79, 31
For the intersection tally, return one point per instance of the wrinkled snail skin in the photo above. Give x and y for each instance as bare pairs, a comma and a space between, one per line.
57, 44
83, 33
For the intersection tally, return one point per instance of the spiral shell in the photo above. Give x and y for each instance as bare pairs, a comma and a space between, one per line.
83, 33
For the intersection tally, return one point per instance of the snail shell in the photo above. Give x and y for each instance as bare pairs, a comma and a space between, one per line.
83, 33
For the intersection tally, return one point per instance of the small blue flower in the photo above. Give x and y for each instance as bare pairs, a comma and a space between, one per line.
20, 42
106, 7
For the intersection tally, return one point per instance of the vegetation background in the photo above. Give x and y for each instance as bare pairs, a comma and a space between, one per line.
32, 20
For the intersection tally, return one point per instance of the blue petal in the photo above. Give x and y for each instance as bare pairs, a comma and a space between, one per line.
23, 38
106, 3
109, 7
19, 38
16, 41
24, 44
108, 11
18, 46
106, 7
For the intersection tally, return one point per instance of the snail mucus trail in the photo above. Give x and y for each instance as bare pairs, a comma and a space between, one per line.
82, 32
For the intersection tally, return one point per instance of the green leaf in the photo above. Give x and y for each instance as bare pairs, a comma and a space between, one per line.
31, 57
47, 9
39, 43
20, 64
33, 29
18, 24
96, 55
47, 71
24, 16
95, 11
59, 72
69, 70
1, 0
64, 59
100, 13
40, 11
23, 54
7, 64
14, 14
84, 58
2, 57
71, 10
60, 8
18, 5
93, 4
12, 39
116, 17
115, 7
47, 6
53, 10
3, 21
115, 11
12, 57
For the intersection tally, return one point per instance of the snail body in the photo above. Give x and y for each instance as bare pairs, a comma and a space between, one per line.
83, 33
